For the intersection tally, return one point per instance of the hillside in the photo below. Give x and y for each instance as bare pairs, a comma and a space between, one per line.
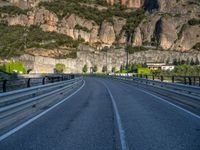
58, 28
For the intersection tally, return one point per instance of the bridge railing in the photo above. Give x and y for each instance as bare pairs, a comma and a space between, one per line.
16, 105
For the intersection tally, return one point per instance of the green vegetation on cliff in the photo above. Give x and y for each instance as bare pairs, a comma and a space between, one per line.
64, 8
12, 10
14, 39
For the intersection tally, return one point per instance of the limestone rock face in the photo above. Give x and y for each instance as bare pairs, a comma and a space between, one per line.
167, 33
46, 19
114, 59
137, 40
190, 36
165, 25
118, 24
107, 33
77, 27
147, 28
18, 20
24, 4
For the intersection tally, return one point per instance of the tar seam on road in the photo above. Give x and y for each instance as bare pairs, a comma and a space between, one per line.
119, 124
4, 136
166, 101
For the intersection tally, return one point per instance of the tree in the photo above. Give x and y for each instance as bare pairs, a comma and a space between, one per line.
122, 68
197, 61
113, 69
104, 69
192, 63
85, 69
60, 68
95, 68
188, 61
14, 67
175, 62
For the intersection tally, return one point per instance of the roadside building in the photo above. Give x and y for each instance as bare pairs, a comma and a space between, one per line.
155, 65
159, 66
168, 67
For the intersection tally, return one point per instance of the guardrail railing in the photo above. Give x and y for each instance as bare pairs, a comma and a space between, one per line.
190, 80
9, 85
16, 105
187, 94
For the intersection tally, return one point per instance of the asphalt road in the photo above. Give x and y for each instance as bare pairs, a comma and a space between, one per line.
105, 115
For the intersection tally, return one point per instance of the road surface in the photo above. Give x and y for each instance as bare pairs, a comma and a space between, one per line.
109, 115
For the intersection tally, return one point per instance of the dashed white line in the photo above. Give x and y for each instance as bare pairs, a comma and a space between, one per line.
4, 136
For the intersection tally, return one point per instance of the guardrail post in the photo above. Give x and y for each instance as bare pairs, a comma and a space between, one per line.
43, 81
185, 80
194, 81
153, 77
29, 82
62, 78
161, 78
146, 76
4, 85
199, 81
172, 79
190, 80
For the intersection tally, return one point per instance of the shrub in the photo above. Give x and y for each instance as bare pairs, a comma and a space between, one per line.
12, 10
194, 21
60, 68
144, 71
13, 67
197, 46
104, 69
132, 50
113, 69
85, 69
95, 69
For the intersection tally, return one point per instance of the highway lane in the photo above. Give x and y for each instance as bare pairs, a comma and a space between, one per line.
87, 122
152, 124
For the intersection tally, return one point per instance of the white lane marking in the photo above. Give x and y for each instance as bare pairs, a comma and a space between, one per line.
120, 128
4, 136
170, 103
181, 108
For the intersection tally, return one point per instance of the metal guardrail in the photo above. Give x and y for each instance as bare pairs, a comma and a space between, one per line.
188, 80
9, 85
16, 105
185, 94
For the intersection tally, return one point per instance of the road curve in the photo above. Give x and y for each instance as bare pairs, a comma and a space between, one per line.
90, 121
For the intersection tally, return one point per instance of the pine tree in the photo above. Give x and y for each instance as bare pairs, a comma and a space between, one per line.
197, 61
175, 62
192, 62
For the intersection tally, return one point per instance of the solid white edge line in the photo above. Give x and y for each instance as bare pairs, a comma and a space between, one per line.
181, 108
4, 136
119, 124
166, 101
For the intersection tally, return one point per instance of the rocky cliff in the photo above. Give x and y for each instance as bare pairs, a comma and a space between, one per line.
172, 26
